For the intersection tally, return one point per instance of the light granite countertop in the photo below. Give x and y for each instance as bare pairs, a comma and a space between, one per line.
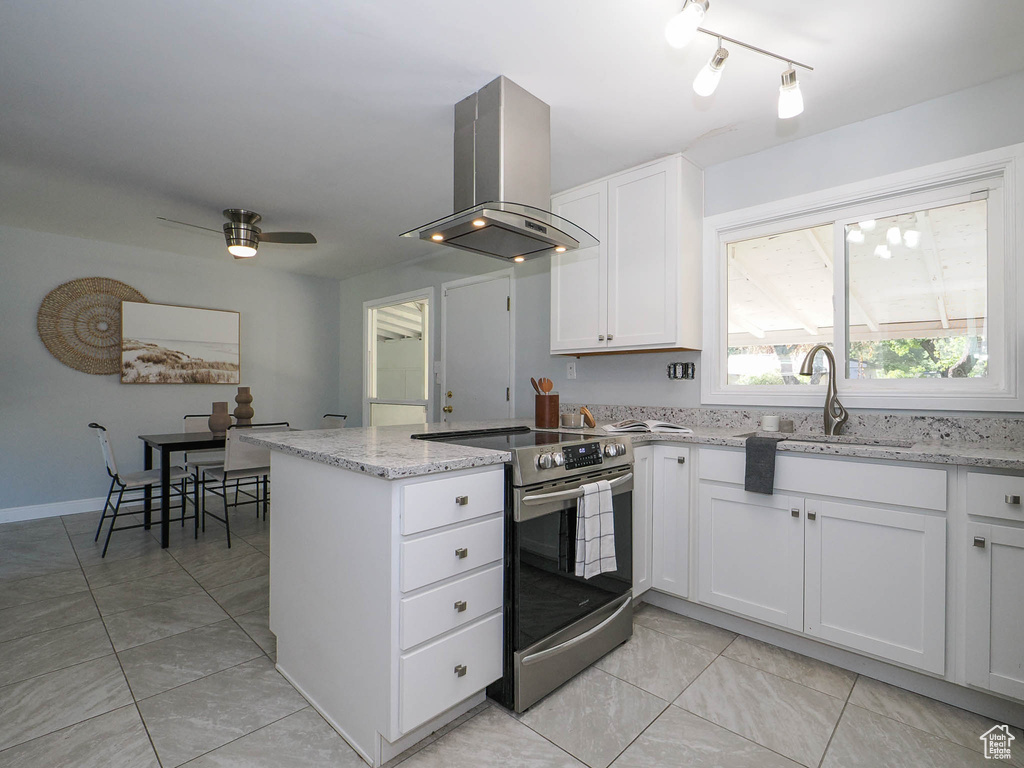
390, 453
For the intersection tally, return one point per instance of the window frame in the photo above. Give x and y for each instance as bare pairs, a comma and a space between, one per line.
931, 186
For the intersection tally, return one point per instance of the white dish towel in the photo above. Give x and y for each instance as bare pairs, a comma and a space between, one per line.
595, 530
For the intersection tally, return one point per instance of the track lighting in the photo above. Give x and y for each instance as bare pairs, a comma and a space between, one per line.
791, 101
855, 236
912, 238
893, 236
682, 27
883, 252
707, 79
867, 225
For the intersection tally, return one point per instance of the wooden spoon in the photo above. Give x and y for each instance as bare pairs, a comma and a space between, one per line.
547, 385
535, 387
588, 417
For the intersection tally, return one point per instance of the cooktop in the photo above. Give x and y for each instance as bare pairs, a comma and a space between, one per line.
505, 439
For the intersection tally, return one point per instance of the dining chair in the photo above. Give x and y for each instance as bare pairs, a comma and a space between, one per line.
196, 461
333, 421
134, 482
245, 465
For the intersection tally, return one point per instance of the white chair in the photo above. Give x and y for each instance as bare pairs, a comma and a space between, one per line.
333, 421
197, 461
134, 482
244, 465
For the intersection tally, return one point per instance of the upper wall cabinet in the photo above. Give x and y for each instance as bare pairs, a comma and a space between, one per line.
640, 287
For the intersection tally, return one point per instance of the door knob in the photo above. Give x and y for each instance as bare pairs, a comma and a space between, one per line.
447, 409
449, 395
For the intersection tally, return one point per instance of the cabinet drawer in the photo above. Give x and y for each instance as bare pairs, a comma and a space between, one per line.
430, 683
428, 615
987, 495
437, 556
451, 500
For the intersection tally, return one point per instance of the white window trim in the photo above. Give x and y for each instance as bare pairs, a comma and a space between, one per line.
426, 294
1001, 392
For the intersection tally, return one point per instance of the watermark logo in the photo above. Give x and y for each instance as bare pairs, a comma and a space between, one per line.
997, 742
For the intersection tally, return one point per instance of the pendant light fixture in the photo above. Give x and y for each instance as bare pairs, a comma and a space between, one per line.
791, 101
707, 79
682, 27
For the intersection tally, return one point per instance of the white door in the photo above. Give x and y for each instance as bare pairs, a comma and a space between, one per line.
751, 554
579, 279
995, 611
643, 509
476, 334
876, 581
643, 255
671, 539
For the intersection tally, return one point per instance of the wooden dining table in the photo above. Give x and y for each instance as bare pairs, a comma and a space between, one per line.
172, 442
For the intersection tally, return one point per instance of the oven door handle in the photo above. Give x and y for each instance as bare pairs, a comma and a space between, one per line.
575, 493
533, 658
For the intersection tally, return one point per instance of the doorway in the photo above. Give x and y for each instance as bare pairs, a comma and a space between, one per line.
396, 386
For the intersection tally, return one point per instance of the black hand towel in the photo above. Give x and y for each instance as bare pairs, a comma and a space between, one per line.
760, 473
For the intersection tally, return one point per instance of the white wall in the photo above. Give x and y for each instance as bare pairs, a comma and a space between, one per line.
289, 357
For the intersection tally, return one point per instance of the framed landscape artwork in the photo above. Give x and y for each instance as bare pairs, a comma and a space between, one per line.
165, 344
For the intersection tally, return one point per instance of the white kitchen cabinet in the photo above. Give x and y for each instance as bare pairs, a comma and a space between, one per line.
995, 609
751, 554
875, 580
670, 560
640, 287
643, 515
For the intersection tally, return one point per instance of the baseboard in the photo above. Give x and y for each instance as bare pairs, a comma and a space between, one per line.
971, 699
39, 511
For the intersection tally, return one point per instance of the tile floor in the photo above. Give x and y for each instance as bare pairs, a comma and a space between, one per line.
163, 658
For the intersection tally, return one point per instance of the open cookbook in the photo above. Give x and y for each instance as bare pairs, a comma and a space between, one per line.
651, 425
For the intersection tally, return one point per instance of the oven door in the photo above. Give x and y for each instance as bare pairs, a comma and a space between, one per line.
547, 596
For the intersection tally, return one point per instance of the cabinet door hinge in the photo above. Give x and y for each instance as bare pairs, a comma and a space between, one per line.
508, 303
508, 394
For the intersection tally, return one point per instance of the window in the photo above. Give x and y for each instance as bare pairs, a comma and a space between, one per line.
903, 279
397, 381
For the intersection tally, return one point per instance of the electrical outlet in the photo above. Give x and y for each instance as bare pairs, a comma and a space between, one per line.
570, 369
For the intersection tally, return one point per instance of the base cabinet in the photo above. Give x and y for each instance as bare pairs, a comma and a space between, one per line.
643, 518
670, 551
995, 608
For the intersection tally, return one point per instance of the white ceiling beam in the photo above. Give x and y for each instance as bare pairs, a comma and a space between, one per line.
404, 310
931, 263
400, 331
771, 293
744, 324
400, 322
856, 302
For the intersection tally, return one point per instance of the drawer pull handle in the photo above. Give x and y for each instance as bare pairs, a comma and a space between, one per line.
812, 515
462, 553
460, 670
795, 512
979, 541
1012, 499
462, 500
460, 606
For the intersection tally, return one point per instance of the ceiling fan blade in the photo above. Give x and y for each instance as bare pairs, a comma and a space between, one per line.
186, 224
290, 238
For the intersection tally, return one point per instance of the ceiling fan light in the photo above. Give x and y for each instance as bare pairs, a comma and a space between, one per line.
707, 79
242, 251
682, 27
791, 100
242, 238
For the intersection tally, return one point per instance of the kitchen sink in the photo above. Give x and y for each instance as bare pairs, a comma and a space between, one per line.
859, 440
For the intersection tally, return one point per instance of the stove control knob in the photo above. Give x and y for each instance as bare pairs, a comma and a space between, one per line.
614, 449
620, 449
546, 461
559, 459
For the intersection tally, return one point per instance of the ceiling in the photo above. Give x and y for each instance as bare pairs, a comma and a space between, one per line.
336, 117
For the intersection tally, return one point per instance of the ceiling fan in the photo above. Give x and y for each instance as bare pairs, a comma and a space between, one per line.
244, 237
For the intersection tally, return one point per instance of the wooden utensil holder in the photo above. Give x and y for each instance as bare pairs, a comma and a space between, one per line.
546, 411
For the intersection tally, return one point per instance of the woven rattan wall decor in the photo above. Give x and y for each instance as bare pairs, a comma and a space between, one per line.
80, 323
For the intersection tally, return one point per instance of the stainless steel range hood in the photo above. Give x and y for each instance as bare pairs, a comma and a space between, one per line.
503, 180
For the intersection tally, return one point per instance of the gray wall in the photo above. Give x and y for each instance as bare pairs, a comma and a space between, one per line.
289, 357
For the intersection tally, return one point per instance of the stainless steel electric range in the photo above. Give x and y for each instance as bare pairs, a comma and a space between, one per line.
557, 624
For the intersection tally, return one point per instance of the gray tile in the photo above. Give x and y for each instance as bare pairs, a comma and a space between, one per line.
260, 542
465, 717
784, 716
656, 662
492, 739
52, 650
684, 628
28, 619
84, 522
210, 547
926, 714
24, 556
678, 738
40, 528
257, 625
164, 664
217, 574
244, 596
153, 622
146, 591
41, 587
47, 703
108, 572
114, 740
124, 545
867, 740
196, 718
792, 666
302, 740
594, 716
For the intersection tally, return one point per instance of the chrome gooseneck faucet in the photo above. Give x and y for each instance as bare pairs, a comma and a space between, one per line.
835, 414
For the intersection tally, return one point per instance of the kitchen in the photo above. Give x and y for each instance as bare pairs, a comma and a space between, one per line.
303, 330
